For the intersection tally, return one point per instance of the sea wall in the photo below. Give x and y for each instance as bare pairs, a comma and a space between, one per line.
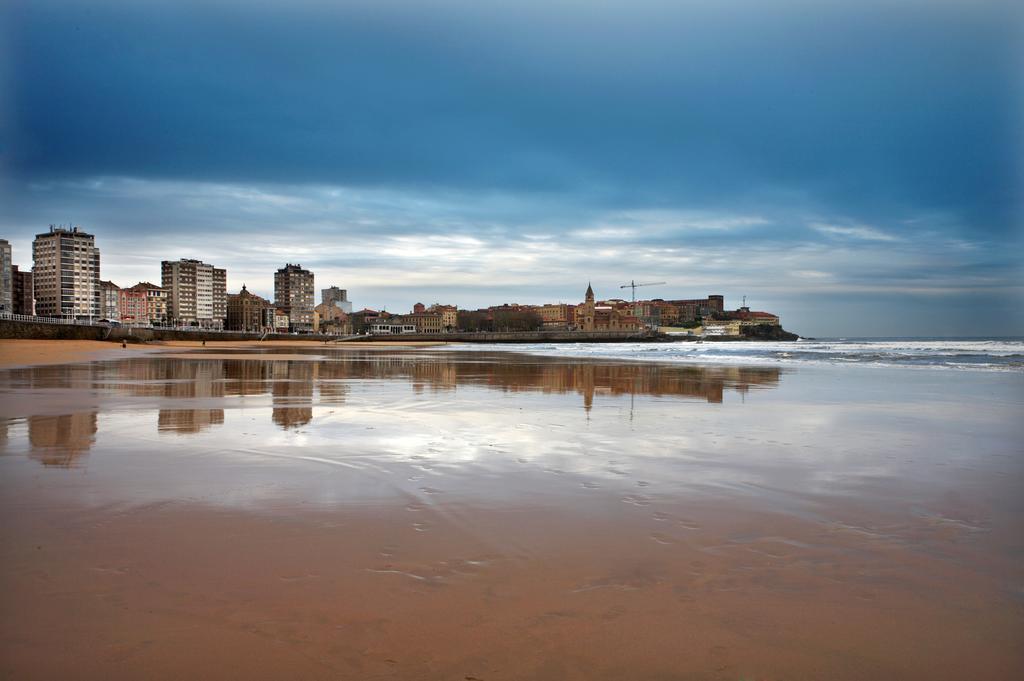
19, 329
13, 329
524, 337
23, 329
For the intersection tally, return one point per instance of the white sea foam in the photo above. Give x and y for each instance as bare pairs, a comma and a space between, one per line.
974, 354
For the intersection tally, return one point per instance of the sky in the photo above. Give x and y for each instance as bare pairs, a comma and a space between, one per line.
855, 167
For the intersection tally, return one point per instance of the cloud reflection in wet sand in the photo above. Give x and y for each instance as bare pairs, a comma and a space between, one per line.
335, 504
296, 386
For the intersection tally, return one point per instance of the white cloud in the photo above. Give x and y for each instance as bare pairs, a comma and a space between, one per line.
863, 232
390, 248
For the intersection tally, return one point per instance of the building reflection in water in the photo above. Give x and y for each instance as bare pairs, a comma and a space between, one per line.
60, 440
192, 380
185, 421
292, 391
296, 386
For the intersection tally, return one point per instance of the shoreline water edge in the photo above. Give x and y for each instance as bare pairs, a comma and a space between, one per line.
992, 354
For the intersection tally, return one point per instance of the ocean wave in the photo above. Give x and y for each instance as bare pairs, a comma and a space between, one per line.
977, 355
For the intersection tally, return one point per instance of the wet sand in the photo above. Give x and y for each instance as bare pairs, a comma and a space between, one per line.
301, 344
429, 515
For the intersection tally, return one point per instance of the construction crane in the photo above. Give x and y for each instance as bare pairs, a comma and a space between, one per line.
633, 285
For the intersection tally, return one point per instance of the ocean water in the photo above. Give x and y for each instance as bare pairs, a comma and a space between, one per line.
975, 354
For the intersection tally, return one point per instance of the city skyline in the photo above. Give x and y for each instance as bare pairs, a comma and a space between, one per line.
453, 152
290, 276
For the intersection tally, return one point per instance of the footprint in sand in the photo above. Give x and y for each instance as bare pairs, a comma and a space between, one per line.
112, 570
298, 578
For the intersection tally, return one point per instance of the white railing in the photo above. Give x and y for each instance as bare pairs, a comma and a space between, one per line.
48, 320
70, 321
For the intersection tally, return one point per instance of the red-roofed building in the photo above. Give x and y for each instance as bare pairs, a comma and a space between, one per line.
748, 317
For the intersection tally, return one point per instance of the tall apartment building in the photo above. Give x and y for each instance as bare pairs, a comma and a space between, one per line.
66, 273
338, 297
196, 293
293, 293
6, 277
23, 291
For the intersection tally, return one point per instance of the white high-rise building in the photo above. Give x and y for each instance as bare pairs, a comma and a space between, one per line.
66, 274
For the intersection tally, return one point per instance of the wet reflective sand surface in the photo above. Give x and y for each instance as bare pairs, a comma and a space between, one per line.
407, 514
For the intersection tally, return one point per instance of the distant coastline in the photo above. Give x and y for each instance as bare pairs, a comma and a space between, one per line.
10, 328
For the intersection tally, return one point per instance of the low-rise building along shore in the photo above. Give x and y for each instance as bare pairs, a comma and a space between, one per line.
247, 311
110, 301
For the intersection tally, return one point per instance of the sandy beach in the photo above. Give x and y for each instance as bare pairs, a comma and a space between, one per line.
409, 513
22, 352
19, 352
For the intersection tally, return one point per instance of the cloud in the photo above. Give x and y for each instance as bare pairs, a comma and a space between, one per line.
641, 105
391, 248
478, 152
863, 232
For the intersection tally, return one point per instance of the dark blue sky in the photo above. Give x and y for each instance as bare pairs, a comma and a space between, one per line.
854, 166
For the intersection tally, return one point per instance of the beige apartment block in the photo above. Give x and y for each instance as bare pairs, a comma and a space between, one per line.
196, 293
449, 315
66, 274
425, 322
556, 314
